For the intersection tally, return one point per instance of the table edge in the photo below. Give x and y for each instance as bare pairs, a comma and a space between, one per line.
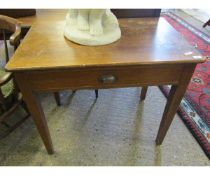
157, 63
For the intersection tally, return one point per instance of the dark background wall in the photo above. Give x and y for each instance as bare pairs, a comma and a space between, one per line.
120, 13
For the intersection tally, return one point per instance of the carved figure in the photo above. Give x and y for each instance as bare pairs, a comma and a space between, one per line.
92, 26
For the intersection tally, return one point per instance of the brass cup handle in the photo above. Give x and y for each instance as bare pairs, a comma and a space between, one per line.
107, 79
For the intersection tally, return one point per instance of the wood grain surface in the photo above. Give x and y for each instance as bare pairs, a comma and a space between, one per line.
144, 41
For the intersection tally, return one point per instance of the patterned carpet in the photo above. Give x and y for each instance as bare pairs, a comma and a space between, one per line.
195, 107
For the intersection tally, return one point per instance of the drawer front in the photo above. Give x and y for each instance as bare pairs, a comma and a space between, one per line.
104, 77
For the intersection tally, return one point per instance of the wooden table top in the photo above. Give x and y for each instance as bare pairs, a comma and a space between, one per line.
144, 41
43, 15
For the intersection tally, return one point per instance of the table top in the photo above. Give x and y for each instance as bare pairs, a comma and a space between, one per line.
144, 41
43, 15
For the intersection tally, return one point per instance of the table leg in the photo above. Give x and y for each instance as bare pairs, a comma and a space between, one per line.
36, 111
57, 98
175, 96
143, 93
96, 93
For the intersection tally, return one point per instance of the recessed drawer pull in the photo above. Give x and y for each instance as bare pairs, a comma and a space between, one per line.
108, 79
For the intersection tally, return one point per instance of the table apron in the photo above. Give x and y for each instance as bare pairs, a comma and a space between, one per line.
124, 76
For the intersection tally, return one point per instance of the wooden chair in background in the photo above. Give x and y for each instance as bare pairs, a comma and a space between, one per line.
10, 96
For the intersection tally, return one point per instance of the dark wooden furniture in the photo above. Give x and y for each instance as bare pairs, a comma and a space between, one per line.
17, 13
10, 97
136, 13
150, 53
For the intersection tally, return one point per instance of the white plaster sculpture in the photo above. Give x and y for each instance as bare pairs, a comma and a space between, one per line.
92, 26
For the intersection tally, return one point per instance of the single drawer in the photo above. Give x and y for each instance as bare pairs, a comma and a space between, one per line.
107, 77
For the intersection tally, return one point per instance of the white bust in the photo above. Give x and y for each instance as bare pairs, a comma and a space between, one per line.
92, 26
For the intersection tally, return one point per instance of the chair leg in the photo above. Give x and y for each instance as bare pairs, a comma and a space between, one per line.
96, 92
143, 93
57, 98
12, 128
5, 46
207, 23
8, 113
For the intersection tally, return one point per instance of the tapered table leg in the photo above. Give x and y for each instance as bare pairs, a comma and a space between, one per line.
175, 96
96, 93
36, 111
143, 93
57, 98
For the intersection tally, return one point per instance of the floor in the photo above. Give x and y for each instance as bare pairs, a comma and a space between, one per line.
115, 129
195, 18
202, 15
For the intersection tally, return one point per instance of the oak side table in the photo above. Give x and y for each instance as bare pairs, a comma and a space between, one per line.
150, 53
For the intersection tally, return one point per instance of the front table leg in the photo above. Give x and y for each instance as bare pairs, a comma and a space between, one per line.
35, 110
175, 96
